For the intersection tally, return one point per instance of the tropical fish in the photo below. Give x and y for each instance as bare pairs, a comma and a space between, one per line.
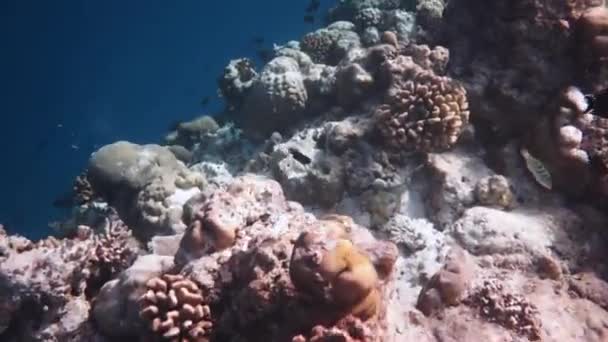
537, 169
205, 101
258, 40
309, 18
265, 54
313, 6
598, 103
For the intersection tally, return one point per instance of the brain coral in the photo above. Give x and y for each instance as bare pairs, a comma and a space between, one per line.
277, 97
422, 111
175, 309
327, 265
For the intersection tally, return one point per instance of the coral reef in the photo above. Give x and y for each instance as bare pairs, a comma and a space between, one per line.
350, 194
509, 87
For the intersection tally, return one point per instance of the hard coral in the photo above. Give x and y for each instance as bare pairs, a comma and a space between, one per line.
189, 133
82, 189
509, 84
236, 81
330, 267
509, 310
175, 309
422, 111
592, 44
448, 286
329, 45
278, 96
111, 254
495, 191
350, 329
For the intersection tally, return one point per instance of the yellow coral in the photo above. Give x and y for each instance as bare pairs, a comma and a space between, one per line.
335, 267
352, 277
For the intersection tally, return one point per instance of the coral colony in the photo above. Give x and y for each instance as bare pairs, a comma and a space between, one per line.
413, 171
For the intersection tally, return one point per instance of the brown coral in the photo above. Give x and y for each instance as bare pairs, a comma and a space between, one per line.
330, 267
213, 227
317, 45
422, 111
448, 286
175, 309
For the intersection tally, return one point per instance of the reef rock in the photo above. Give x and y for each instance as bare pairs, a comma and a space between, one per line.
146, 184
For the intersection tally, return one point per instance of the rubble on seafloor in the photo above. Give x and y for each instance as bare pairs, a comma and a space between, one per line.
370, 187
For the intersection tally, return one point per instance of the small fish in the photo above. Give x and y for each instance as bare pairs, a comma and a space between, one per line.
74, 147
65, 200
598, 103
537, 169
309, 18
59, 125
313, 6
205, 101
265, 55
258, 40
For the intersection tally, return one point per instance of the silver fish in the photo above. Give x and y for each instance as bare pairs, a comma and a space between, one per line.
537, 169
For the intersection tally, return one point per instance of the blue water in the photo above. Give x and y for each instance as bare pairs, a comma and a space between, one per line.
76, 75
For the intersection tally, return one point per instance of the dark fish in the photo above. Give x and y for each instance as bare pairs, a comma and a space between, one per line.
258, 40
173, 125
42, 144
64, 201
313, 6
309, 18
205, 101
598, 103
265, 55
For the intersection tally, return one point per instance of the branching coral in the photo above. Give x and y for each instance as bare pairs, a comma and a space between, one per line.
175, 309
423, 111
112, 253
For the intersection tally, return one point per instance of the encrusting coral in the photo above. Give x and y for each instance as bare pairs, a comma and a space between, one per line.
422, 111
174, 308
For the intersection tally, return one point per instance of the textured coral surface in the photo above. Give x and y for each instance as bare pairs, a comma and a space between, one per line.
373, 186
